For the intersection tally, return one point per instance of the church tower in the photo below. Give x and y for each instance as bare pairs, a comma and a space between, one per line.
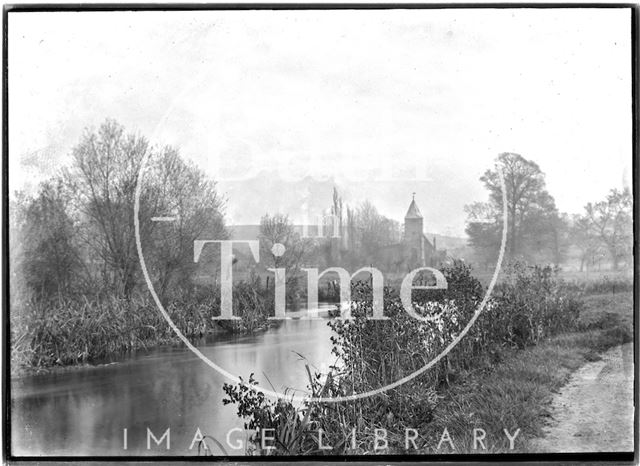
413, 232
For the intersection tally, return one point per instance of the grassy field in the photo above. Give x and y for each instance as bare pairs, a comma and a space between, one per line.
607, 279
516, 391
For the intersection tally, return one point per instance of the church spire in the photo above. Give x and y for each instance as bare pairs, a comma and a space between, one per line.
413, 211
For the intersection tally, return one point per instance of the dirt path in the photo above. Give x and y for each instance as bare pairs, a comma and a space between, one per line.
594, 411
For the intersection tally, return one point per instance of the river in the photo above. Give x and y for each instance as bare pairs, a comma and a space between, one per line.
84, 411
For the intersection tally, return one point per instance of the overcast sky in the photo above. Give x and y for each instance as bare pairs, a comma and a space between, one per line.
383, 103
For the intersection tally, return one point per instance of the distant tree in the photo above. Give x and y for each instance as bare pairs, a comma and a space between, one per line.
374, 231
334, 247
586, 240
278, 229
351, 232
337, 208
561, 239
532, 215
542, 232
611, 221
484, 231
48, 260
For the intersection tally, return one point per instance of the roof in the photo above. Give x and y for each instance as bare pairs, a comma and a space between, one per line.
413, 211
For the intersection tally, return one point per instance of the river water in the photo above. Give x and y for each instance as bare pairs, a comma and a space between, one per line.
84, 411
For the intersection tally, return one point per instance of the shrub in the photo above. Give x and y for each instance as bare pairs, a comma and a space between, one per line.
533, 303
529, 305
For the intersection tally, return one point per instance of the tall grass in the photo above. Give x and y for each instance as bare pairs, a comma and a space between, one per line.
70, 331
530, 305
610, 283
253, 305
73, 330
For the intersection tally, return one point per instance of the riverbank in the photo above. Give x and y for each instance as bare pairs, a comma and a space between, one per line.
502, 388
164, 337
533, 332
517, 391
169, 342
79, 330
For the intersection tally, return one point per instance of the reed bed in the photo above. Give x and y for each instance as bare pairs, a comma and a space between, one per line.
69, 330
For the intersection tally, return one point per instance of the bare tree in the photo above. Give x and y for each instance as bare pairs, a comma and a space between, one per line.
190, 197
374, 231
585, 239
611, 221
103, 178
278, 229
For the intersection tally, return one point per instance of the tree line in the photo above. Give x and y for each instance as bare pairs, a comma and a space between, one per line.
76, 235
350, 237
537, 232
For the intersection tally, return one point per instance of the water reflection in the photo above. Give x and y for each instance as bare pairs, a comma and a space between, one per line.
84, 412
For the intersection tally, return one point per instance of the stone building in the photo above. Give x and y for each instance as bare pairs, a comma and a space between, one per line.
415, 250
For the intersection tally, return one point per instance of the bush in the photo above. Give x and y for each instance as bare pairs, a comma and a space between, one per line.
529, 305
533, 303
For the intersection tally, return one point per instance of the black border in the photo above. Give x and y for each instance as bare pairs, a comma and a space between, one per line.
298, 6
615, 457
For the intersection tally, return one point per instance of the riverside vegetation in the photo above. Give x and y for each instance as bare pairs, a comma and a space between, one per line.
76, 290
67, 330
77, 294
534, 330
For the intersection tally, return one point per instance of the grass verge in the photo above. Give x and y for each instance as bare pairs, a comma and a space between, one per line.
515, 393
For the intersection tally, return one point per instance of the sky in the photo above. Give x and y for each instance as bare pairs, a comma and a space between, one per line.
279, 106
